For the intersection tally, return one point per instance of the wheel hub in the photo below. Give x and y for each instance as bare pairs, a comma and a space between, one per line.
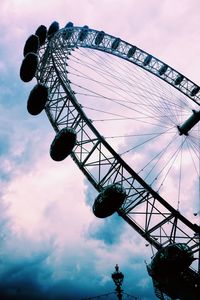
189, 123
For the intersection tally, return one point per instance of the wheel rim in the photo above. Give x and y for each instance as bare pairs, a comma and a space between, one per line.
146, 208
59, 111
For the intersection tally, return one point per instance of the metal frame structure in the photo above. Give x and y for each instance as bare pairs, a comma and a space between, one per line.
144, 209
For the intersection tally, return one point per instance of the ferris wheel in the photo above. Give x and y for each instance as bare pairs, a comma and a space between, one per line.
131, 124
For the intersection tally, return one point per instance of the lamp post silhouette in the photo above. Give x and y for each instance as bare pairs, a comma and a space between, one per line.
118, 280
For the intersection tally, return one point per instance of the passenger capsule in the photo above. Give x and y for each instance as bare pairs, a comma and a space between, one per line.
179, 79
69, 25
147, 60
131, 51
83, 33
32, 44
171, 260
109, 201
99, 38
63, 144
41, 32
194, 91
115, 44
162, 70
68, 30
37, 99
28, 67
53, 28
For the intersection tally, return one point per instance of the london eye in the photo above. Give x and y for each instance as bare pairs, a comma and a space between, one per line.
131, 124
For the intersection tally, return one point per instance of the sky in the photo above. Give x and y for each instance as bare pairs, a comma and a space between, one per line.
51, 244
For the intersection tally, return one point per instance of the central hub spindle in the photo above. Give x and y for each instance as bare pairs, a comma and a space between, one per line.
189, 123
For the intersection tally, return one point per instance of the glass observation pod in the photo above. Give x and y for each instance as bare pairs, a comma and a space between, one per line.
37, 99
41, 32
131, 51
68, 30
28, 67
32, 44
147, 60
63, 144
109, 201
169, 269
53, 28
83, 33
115, 44
99, 38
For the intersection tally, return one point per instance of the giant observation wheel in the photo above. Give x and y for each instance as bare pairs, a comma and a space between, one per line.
131, 124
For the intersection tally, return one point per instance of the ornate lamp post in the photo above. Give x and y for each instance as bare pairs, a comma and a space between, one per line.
118, 279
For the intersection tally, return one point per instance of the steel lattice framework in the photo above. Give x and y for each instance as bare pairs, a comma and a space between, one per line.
144, 209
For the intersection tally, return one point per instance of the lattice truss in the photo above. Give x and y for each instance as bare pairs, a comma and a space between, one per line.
144, 209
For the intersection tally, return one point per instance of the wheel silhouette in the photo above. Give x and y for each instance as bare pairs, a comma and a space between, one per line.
131, 124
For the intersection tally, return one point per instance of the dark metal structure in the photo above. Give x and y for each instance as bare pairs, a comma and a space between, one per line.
143, 206
118, 278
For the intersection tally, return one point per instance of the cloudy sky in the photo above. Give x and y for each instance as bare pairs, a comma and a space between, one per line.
51, 245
